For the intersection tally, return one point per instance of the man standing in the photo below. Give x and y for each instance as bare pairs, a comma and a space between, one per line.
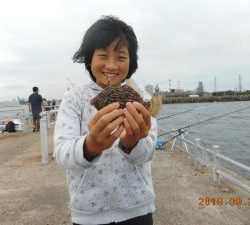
35, 106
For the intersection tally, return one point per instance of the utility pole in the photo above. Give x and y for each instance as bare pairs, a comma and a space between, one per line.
240, 86
215, 84
169, 84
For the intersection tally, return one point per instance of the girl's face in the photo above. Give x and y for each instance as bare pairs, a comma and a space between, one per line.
110, 65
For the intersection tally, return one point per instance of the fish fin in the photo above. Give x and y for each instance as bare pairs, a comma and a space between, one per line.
131, 83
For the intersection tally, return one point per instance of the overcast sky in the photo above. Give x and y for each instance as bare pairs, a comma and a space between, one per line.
186, 41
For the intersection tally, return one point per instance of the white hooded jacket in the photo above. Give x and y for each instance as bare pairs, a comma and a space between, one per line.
115, 186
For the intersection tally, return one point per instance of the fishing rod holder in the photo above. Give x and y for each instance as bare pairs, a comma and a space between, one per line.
180, 133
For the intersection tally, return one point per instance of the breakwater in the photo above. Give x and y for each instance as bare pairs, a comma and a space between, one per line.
226, 98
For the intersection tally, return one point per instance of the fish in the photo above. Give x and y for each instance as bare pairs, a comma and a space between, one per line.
128, 92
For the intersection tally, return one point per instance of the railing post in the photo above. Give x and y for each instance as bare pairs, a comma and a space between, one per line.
44, 140
48, 118
216, 165
197, 162
204, 156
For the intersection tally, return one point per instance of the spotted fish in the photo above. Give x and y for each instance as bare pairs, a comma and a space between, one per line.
123, 94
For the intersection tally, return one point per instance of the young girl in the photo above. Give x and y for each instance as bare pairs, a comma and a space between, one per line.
107, 153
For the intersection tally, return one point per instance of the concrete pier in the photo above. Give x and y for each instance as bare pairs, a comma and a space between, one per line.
33, 193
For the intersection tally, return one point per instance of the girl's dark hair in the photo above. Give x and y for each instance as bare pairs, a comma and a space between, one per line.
100, 35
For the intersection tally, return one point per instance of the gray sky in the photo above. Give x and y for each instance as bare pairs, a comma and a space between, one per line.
185, 41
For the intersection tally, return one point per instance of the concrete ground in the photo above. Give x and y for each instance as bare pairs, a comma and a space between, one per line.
32, 193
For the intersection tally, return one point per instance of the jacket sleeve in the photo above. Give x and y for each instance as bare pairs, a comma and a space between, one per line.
68, 138
144, 150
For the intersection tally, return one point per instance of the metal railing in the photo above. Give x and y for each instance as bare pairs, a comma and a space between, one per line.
210, 158
48, 118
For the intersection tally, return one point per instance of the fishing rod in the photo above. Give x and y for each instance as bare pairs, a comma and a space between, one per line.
161, 118
190, 110
180, 130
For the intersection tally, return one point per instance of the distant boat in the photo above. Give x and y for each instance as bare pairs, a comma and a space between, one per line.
22, 101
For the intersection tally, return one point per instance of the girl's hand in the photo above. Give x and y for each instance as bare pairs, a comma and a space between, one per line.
104, 128
137, 123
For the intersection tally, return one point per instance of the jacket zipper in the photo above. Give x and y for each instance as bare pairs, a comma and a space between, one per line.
111, 186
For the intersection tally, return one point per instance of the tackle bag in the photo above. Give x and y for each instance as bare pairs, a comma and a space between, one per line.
10, 127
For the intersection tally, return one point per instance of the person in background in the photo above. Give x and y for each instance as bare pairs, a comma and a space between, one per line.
45, 105
35, 106
107, 153
49, 104
53, 103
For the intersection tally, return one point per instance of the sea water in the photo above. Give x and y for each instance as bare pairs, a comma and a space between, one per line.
230, 132
13, 112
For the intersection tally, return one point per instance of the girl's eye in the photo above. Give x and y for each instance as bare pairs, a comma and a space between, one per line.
122, 57
102, 56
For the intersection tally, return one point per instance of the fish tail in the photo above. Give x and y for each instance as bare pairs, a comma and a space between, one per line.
155, 105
